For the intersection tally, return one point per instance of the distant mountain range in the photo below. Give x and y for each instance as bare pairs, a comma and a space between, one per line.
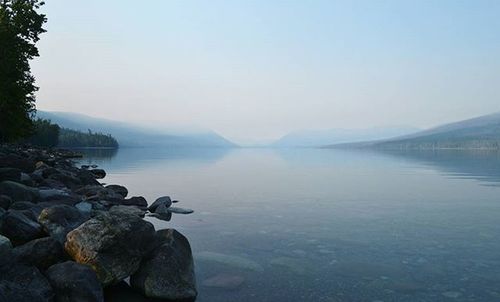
477, 133
129, 135
317, 138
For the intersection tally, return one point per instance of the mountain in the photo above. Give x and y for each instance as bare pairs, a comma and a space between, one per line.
477, 133
129, 135
315, 138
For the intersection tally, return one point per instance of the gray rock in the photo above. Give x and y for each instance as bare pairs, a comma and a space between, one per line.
19, 228
18, 191
5, 248
112, 244
12, 174
127, 210
21, 283
74, 282
169, 272
137, 201
165, 200
21, 205
84, 207
59, 220
41, 253
52, 194
5, 201
121, 190
98, 173
177, 210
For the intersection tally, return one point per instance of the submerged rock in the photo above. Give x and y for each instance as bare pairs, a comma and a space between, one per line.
230, 260
224, 281
113, 245
169, 272
74, 282
178, 210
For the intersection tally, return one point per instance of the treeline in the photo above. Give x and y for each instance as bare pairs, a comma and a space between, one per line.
47, 134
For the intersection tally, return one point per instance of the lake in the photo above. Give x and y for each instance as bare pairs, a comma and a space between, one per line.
327, 225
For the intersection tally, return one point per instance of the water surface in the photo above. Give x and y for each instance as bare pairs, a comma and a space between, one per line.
328, 225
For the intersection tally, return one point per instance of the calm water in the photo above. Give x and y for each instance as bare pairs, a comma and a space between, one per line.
329, 225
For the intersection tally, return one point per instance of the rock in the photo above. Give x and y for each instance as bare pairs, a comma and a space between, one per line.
122, 292
175, 201
87, 178
19, 228
67, 179
26, 179
41, 253
12, 174
51, 194
113, 245
23, 283
224, 281
98, 173
18, 162
164, 217
74, 282
165, 200
5, 201
18, 192
121, 190
137, 201
161, 209
84, 207
59, 220
229, 260
128, 210
177, 210
5, 248
21, 205
169, 272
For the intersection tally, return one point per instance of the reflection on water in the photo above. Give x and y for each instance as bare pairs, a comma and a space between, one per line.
329, 225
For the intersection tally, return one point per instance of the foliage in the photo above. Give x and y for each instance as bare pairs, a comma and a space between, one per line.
73, 139
20, 27
45, 134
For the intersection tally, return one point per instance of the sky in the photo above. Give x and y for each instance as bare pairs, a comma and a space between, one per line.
255, 70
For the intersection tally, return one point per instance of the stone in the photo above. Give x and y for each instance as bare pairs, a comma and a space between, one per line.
21, 205
178, 210
19, 228
41, 253
23, 283
128, 210
98, 173
121, 190
224, 281
87, 178
5, 248
112, 244
59, 220
18, 192
165, 200
18, 162
169, 272
51, 194
137, 201
5, 201
74, 282
84, 207
12, 174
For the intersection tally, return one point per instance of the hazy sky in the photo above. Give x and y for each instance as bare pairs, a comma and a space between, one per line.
254, 70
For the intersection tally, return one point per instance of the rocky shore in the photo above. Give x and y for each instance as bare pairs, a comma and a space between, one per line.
65, 236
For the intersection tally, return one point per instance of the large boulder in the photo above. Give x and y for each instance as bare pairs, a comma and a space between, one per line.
169, 272
19, 228
5, 202
41, 253
23, 283
74, 282
18, 191
59, 220
137, 201
163, 201
112, 244
10, 174
121, 190
98, 173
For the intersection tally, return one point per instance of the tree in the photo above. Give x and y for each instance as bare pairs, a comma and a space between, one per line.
45, 134
20, 27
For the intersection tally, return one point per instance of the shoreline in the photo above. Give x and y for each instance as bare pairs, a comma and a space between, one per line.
65, 236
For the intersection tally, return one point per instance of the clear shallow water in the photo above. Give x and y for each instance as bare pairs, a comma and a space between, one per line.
329, 225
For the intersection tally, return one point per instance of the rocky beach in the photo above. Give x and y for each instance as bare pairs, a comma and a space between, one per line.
66, 236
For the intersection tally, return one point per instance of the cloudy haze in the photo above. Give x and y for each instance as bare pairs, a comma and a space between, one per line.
255, 70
